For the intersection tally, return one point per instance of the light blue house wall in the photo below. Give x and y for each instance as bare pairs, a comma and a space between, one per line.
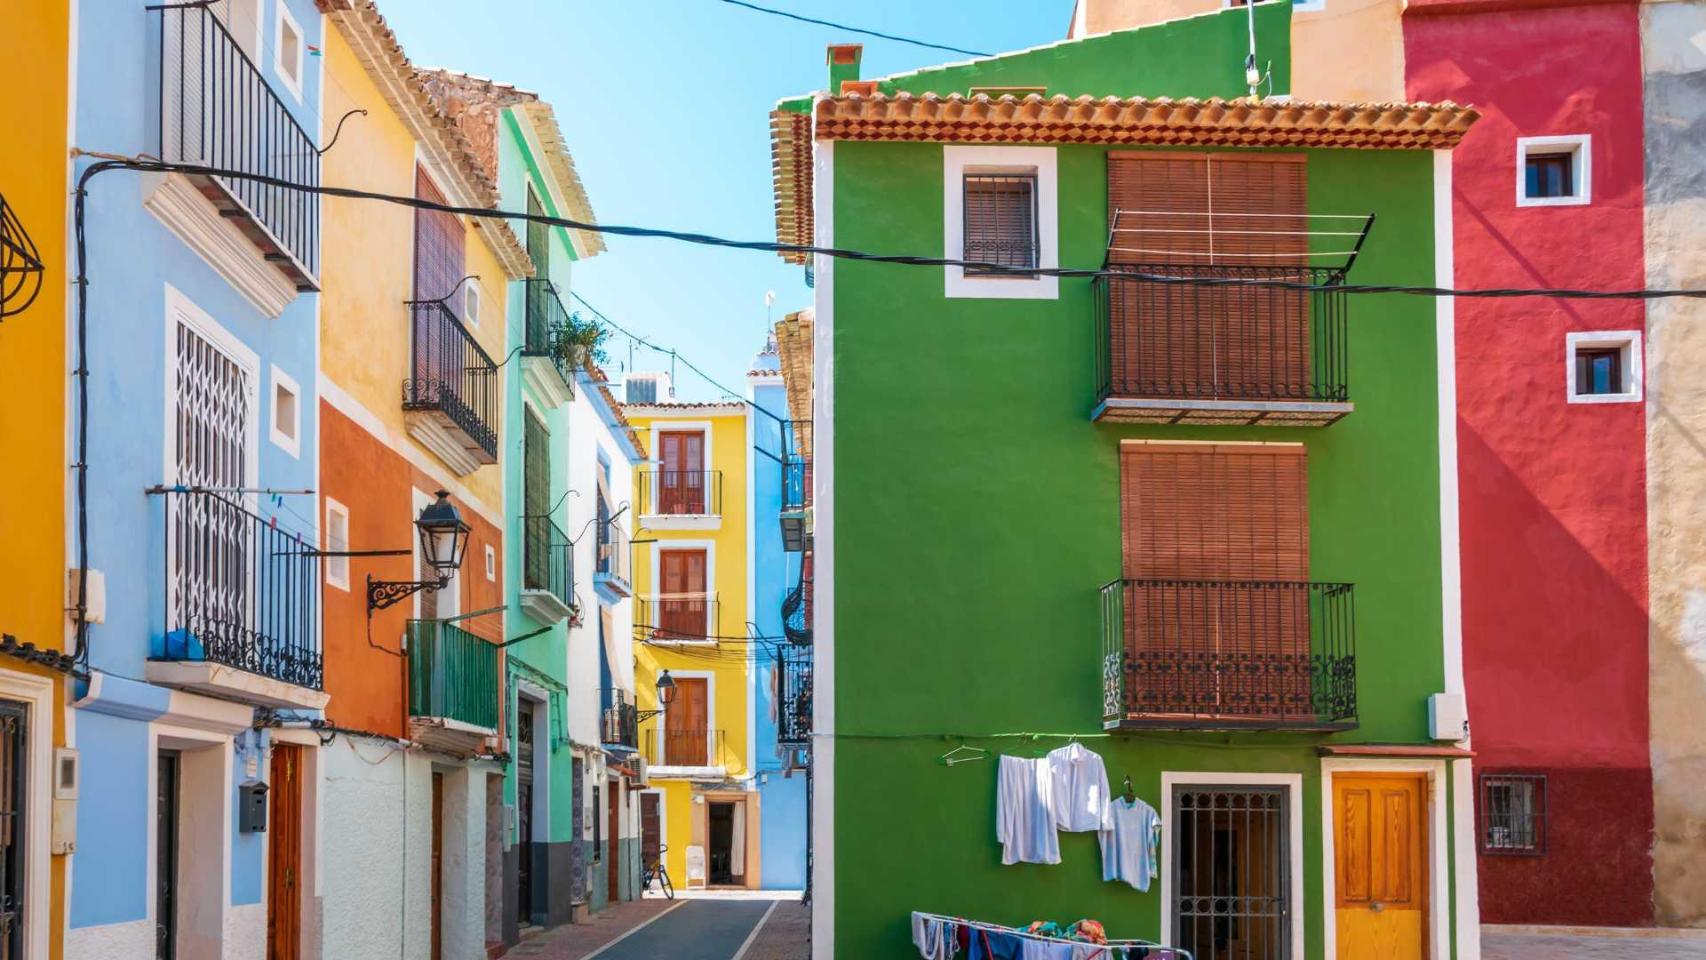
782, 843
133, 259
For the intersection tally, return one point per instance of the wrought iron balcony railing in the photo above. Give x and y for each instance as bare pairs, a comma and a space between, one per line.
796, 465
684, 747
620, 726
1228, 654
453, 674
548, 560
676, 618
797, 612
217, 109
611, 562
547, 330
1188, 352
794, 698
454, 382
241, 591
681, 493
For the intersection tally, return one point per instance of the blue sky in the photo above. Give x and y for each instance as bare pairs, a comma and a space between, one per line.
664, 104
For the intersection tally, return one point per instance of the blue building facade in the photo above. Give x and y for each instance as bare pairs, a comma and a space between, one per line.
781, 768
203, 584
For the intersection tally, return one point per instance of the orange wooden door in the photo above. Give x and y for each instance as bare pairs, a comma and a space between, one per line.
682, 599
1380, 866
681, 477
685, 724
284, 845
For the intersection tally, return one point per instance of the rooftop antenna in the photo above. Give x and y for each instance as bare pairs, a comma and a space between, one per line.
769, 301
1252, 75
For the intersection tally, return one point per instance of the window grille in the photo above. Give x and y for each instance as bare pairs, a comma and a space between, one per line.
1231, 873
1513, 813
13, 770
208, 546
1000, 221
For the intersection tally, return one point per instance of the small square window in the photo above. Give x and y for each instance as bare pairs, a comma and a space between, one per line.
1553, 171
471, 303
286, 427
1513, 814
1000, 222
1603, 367
491, 562
337, 541
287, 53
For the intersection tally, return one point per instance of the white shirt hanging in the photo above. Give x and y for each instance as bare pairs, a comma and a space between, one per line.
1024, 817
1128, 845
1079, 789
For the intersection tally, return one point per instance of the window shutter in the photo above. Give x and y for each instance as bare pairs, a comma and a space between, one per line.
538, 239
1001, 219
1215, 511
438, 246
536, 502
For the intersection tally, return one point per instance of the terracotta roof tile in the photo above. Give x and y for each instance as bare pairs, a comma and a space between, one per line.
791, 167
794, 346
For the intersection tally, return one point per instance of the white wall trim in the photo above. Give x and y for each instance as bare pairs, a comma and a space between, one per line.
290, 76
1293, 784
196, 221
1468, 876
36, 693
340, 582
1445, 361
181, 309
1439, 843
823, 585
957, 161
1579, 144
749, 466
1634, 374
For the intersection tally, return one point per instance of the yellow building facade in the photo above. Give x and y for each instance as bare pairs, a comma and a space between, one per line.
35, 191
692, 574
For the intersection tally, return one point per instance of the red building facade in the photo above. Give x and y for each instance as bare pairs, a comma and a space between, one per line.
1552, 481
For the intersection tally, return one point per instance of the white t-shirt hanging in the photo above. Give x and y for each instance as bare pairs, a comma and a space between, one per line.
1024, 816
1079, 792
1128, 845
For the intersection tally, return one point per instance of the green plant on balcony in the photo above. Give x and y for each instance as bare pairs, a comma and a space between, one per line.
581, 342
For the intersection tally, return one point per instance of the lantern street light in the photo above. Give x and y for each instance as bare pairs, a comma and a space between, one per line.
666, 696
444, 541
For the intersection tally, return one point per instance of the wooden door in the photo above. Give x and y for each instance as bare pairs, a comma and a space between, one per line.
437, 864
682, 601
1380, 866
284, 850
651, 828
612, 800
685, 730
166, 855
681, 475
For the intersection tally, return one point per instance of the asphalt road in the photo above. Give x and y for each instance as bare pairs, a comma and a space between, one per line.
696, 930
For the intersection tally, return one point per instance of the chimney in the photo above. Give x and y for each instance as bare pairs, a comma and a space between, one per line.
843, 65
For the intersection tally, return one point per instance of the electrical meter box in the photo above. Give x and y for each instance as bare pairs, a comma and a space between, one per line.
251, 807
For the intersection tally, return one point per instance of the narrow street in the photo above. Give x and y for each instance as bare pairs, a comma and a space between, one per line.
709, 928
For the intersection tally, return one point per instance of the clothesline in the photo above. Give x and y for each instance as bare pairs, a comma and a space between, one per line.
1084, 950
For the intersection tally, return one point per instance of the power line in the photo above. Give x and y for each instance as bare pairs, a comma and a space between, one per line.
642, 341
843, 26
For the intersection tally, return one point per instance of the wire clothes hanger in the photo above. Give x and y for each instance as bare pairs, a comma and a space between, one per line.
953, 756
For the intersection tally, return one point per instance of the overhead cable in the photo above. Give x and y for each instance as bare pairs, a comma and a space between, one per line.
843, 26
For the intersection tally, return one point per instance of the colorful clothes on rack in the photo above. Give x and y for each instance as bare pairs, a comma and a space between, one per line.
935, 939
1024, 815
1079, 788
1128, 845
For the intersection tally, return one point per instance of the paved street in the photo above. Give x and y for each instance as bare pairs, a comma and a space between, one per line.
717, 928
1520, 947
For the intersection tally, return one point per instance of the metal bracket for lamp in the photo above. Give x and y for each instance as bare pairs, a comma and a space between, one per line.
385, 593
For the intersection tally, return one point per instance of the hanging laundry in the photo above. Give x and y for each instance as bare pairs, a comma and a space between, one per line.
1128, 845
1079, 788
936, 939
1024, 817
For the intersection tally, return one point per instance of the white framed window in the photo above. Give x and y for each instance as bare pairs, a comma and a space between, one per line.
1554, 171
1001, 204
1603, 366
288, 50
286, 423
471, 302
491, 563
337, 541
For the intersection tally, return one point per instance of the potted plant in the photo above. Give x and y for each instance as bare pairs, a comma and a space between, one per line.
581, 342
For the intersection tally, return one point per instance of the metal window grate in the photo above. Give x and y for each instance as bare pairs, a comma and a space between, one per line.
1513, 813
1000, 221
14, 766
1231, 874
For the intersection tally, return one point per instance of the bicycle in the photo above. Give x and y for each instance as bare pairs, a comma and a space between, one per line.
658, 872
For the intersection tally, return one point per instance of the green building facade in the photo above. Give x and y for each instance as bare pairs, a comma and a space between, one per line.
1265, 640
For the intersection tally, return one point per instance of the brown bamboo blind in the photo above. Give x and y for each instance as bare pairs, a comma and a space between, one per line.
1204, 208
1206, 511
438, 246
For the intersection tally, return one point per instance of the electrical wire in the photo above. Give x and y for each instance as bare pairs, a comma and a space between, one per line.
648, 344
843, 26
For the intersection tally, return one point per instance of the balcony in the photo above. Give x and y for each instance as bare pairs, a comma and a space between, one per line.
453, 687
242, 605
1221, 655
685, 753
217, 110
680, 499
450, 400
794, 699
619, 727
547, 571
544, 358
797, 613
796, 485
676, 618
610, 564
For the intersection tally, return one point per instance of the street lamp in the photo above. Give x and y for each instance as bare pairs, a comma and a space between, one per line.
444, 541
666, 696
